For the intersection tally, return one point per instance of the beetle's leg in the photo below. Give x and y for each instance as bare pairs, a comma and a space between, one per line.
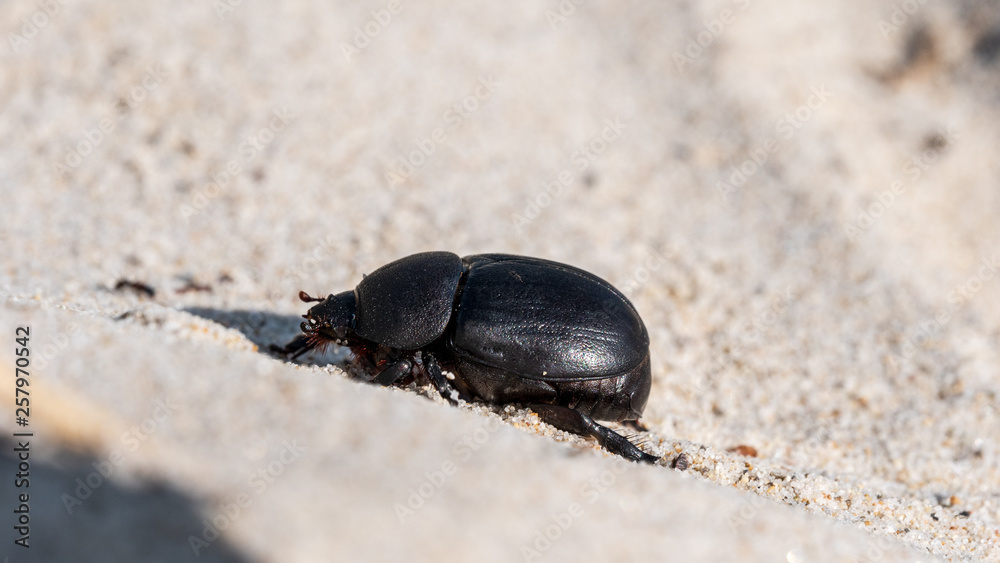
569, 420
295, 347
438, 378
393, 373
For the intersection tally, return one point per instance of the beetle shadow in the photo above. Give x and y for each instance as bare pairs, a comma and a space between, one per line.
264, 329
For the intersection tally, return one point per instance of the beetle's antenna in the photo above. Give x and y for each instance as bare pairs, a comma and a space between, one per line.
305, 297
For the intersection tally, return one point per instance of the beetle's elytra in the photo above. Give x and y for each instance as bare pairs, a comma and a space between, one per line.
512, 329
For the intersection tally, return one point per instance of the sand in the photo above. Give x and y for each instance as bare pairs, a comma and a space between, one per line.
799, 198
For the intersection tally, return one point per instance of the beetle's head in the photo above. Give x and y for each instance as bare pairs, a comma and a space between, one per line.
331, 319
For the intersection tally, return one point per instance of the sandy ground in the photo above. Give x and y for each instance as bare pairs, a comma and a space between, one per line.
799, 197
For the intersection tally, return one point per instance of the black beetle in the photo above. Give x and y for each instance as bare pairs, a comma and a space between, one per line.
512, 329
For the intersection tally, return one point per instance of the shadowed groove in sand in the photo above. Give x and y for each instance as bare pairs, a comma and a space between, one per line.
148, 521
264, 328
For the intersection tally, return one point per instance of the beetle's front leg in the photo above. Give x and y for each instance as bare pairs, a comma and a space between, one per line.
295, 347
569, 420
439, 380
403, 367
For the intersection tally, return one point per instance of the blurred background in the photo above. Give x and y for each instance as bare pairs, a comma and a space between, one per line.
800, 198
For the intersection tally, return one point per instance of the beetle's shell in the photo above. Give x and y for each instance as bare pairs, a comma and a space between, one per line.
546, 321
406, 304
